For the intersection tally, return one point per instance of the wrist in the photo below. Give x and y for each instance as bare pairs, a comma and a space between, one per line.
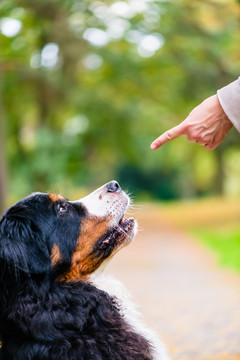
221, 110
229, 98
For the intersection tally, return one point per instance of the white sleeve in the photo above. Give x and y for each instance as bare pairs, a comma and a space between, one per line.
229, 98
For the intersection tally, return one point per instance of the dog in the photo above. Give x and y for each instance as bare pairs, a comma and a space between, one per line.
55, 302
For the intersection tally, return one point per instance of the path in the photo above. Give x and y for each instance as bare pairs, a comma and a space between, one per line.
192, 303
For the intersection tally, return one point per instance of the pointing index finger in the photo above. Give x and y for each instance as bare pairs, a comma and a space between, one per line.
168, 136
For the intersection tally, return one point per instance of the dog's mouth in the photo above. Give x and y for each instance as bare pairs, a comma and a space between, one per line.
123, 233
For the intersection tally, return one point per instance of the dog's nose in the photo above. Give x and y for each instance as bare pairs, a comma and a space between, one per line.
113, 186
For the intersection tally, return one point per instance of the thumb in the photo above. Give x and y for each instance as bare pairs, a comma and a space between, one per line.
168, 136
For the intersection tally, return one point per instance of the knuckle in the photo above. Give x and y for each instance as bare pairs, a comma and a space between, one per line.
205, 139
214, 146
195, 136
169, 135
209, 147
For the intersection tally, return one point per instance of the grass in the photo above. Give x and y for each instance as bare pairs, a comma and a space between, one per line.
225, 243
214, 222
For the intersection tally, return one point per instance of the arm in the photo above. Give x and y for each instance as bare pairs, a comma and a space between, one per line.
229, 98
210, 122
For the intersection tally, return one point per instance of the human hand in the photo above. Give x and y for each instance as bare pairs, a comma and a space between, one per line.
207, 124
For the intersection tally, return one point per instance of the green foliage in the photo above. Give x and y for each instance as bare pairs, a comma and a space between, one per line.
226, 244
214, 222
89, 113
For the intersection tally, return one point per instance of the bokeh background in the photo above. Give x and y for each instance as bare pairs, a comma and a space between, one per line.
86, 86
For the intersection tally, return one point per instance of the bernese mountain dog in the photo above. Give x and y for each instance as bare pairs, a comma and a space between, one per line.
55, 303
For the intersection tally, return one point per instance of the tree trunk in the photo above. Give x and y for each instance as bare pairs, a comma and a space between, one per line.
3, 167
220, 176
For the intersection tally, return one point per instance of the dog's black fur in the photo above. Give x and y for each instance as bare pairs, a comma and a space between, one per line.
42, 317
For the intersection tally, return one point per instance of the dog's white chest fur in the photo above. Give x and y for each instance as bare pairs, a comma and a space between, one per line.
129, 311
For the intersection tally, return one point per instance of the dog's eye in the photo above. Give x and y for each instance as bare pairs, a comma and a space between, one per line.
62, 208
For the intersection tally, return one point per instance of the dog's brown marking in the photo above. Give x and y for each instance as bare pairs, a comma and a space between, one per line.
84, 262
55, 254
56, 197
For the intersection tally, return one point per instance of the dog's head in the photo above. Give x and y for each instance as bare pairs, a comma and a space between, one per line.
43, 231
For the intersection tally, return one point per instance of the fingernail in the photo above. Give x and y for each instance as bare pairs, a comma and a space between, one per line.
153, 147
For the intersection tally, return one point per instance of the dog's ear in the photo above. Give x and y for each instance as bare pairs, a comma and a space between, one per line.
22, 245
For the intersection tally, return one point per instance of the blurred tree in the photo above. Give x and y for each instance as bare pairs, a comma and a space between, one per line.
89, 84
3, 170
